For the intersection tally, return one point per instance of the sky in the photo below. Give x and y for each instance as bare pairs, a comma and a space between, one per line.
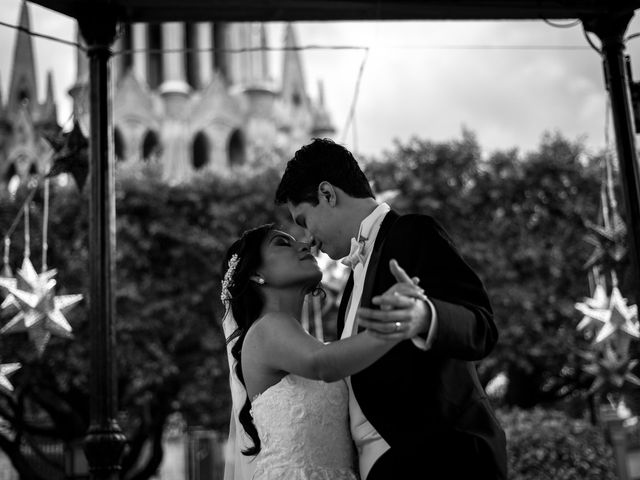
425, 79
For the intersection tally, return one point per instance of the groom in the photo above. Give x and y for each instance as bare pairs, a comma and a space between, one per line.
420, 411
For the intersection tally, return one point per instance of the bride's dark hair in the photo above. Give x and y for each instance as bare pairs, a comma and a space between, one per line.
246, 303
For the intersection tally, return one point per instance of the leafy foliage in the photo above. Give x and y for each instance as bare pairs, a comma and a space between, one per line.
548, 444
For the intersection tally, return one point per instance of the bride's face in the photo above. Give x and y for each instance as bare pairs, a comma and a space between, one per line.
287, 262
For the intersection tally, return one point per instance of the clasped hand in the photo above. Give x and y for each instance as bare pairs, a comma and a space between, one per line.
403, 311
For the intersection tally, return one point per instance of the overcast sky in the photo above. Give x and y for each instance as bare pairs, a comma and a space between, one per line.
411, 84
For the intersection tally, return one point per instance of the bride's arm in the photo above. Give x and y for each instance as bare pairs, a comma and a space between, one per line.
286, 346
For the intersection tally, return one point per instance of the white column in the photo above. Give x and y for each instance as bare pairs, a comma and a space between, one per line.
233, 36
139, 42
247, 57
264, 54
173, 73
117, 64
257, 78
204, 42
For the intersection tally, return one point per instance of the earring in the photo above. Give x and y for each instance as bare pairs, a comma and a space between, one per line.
260, 281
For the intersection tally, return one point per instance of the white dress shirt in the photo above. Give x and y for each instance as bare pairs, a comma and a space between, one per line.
369, 443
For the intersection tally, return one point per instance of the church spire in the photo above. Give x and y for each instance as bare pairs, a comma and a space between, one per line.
322, 125
49, 98
23, 88
49, 112
293, 82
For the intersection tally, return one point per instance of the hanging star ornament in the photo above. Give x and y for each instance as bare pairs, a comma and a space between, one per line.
609, 244
7, 369
41, 312
6, 271
24, 281
616, 318
54, 138
609, 370
71, 155
7, 281
619, 318
599, 301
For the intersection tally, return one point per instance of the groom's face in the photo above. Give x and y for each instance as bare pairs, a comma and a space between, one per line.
323, 224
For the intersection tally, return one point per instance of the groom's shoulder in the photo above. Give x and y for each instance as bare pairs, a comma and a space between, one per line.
415, 221
419, 228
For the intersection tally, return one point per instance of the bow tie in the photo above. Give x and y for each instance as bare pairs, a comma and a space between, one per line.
356, 254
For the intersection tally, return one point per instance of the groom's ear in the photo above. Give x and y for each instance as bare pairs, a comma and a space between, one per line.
327, 193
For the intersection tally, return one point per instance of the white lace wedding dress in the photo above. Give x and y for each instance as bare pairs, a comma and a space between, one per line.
304, 431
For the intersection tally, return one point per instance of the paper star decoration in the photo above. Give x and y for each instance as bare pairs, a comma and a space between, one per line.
54, 139
7, 282
6, 271
24, 281
7, 369
610, 370
41, 313
71, 155
609, 243
599, 301
617, 317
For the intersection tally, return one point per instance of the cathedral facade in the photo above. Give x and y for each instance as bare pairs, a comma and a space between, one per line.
23, 118
187, 97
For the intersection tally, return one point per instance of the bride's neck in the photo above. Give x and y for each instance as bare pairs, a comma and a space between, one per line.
284, 301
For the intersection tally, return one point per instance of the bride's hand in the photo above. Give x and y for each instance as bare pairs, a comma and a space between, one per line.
403, 312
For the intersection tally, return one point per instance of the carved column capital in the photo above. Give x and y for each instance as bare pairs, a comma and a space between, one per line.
609, 28
98, 27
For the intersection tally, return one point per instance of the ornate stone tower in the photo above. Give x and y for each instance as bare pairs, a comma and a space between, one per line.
196, 97
23, 150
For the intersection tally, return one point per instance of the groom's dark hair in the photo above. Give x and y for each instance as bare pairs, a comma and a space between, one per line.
321, 160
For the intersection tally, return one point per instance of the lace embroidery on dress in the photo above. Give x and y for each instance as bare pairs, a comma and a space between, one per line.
304, 431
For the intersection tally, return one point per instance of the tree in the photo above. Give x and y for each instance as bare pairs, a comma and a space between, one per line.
519, 221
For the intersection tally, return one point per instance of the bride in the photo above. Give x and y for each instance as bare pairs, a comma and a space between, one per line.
289, 402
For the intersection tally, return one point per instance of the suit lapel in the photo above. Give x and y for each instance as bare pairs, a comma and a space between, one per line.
370, 277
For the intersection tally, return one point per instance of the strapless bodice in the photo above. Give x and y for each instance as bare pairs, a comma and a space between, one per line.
303, 426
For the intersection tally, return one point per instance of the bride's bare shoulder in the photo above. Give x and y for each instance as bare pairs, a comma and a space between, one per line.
271, 323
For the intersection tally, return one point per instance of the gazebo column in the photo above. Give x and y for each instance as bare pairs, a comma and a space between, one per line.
105, 442
611, 30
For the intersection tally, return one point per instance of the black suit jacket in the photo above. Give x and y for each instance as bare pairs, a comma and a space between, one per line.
429, 405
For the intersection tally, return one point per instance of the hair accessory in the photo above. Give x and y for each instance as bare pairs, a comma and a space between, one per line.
227, 281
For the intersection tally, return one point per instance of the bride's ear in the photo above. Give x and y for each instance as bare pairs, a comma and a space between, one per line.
257, 279
327, 192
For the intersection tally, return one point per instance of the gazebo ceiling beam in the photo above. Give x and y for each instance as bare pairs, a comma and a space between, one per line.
313, 10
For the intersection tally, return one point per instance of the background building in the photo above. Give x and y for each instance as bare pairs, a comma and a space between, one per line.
191, 97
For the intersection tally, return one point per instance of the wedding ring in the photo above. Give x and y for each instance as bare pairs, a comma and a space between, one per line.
398, 325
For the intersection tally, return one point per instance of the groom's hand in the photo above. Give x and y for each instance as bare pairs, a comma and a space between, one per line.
403, 311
